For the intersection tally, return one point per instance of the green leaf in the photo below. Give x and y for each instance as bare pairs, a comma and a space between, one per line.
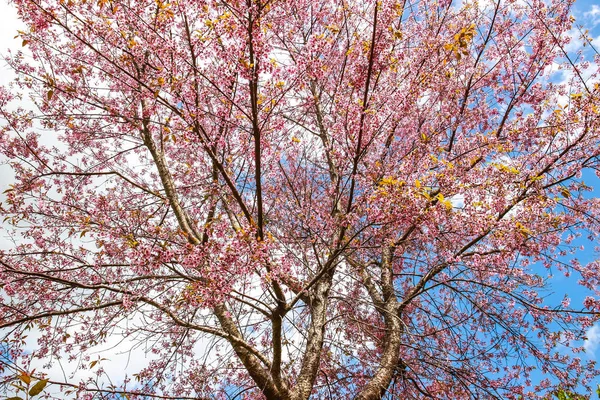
38, 387
15, 398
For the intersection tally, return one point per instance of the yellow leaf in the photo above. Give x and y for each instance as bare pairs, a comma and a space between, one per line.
537, 178
366, 45
333, 28
523, 230
506, 168
565, 192
446, 203
25, 378
425, 194
390, 181
131, 242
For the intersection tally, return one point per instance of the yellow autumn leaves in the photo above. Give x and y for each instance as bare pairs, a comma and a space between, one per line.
459, 47
388, 183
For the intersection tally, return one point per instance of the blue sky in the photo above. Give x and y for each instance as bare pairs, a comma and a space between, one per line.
587, 14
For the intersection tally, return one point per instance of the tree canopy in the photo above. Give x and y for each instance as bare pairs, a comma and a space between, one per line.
294, 199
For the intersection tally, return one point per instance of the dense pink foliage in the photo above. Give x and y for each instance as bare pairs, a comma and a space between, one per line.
296, 198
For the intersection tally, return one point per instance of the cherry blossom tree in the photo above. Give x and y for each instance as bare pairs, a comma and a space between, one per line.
299, 199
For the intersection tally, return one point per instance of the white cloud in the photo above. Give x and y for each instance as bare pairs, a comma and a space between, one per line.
458, 201
590, 18
593, 340
594, 11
